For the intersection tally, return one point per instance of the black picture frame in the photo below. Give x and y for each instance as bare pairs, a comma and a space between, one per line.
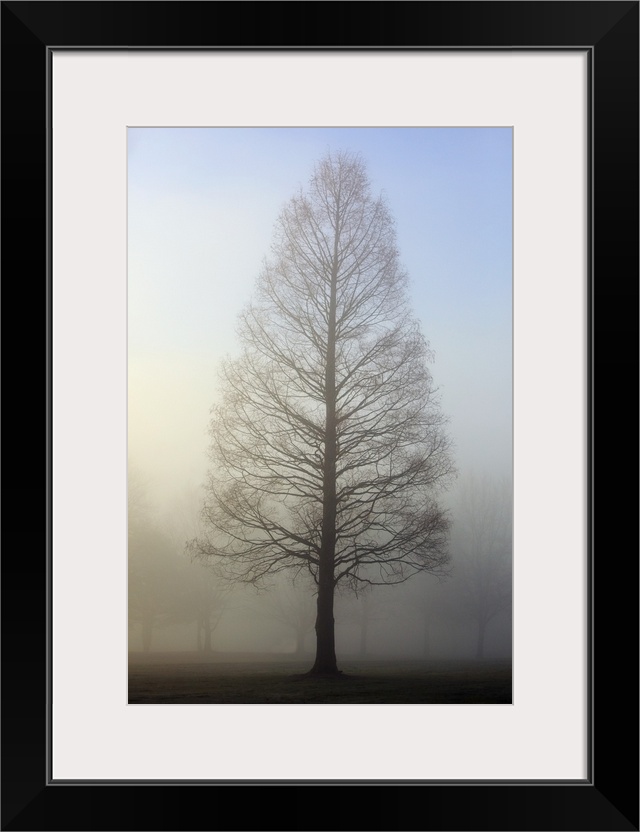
608, 799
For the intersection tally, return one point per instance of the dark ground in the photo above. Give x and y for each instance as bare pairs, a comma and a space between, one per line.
225, 678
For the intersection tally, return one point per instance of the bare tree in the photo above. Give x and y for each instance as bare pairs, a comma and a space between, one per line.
329, 445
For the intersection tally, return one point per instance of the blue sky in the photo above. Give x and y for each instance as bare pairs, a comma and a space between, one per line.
202, 203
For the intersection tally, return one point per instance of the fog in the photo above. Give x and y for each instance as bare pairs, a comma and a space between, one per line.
176, 604
202, 208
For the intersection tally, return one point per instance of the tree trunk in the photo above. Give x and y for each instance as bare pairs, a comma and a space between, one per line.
147, 630
325, 663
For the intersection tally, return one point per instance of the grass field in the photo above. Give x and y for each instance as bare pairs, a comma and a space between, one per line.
183, 678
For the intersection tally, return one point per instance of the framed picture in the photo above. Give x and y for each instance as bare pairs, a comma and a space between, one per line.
252, 608
563, 77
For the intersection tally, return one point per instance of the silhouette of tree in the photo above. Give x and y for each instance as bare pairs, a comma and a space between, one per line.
329, 445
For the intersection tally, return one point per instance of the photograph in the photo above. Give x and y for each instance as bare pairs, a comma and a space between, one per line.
319, 415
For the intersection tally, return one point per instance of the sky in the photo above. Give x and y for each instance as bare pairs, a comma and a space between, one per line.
202, 205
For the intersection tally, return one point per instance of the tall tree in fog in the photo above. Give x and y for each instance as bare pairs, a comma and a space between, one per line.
329, 447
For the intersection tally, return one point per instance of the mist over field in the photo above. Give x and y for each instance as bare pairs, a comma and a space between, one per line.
203, 206
426, 617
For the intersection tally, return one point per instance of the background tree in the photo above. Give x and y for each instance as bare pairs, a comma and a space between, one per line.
199, 597
363, 610
431, 600
152, 571
329, 446
291, 606
482, 542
